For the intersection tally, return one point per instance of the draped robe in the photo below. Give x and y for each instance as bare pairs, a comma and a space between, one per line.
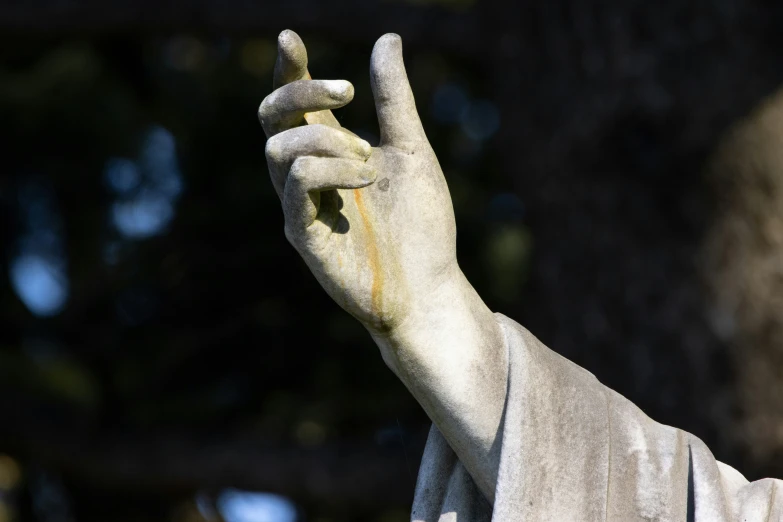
574, 450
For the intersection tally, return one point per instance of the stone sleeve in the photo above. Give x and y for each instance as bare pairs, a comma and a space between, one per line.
575, 450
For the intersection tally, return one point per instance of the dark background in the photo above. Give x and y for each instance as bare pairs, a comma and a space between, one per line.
616, 168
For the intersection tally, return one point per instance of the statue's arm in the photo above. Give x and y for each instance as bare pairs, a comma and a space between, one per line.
452, 357
376, 227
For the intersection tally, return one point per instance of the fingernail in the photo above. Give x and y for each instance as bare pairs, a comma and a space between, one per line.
340, 89
365, 148
368, 174
288, 39
290, 46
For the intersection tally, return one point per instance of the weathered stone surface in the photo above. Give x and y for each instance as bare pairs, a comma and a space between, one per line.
519, 432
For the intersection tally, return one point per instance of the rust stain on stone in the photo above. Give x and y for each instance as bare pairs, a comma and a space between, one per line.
373, 258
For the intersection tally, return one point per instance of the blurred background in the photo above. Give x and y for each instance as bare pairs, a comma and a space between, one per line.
616, 168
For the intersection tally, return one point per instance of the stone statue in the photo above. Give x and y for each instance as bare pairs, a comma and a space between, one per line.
519, 433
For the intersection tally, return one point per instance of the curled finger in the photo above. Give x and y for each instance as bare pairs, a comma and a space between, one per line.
309, 177
312, 140
285, 107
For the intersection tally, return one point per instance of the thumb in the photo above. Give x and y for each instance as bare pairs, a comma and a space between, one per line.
399, 121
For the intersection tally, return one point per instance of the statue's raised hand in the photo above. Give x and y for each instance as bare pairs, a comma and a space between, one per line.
375, 225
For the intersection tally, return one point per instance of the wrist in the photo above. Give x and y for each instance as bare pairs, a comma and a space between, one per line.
451, 313
451, 356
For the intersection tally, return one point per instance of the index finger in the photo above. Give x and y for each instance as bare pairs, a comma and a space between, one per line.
291, 64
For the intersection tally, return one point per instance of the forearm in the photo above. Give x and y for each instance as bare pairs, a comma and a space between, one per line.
450, 354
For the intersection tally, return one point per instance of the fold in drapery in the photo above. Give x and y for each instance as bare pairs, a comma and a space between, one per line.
574, 450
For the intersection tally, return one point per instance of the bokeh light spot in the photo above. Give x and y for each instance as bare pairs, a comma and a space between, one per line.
449, 102
40, 283
481, 120
310, 433
184, 53
258, 56
144, 216
244, 506
506, 207
122, 175
146, 211
10, 473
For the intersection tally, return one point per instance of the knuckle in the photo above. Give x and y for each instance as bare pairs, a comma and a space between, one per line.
267, 105
298, 172
291, 235
274, 149
262, 111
